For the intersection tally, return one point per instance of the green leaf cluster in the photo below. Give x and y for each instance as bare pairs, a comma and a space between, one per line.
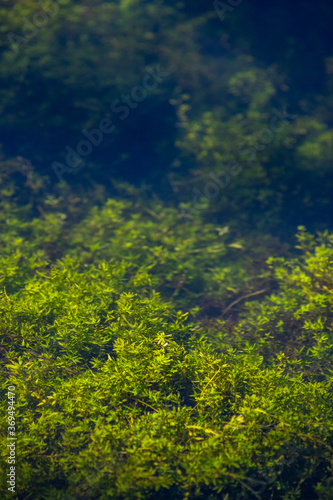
121, 394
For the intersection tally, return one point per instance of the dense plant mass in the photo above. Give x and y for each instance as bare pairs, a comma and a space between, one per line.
166, 299
122, 395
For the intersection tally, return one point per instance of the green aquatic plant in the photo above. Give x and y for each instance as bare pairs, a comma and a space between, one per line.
296, 320
119, 393
160, 344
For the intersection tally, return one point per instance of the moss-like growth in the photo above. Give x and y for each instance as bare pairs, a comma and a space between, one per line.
120, 395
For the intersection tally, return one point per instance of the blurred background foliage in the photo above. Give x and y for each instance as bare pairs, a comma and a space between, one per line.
226, 77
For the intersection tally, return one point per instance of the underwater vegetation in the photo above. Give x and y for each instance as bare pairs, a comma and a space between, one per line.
127, 388
166, 292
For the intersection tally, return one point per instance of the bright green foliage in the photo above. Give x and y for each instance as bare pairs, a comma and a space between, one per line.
166, 344
194, 264
111, 404
118, 395
189, 262
296, 321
